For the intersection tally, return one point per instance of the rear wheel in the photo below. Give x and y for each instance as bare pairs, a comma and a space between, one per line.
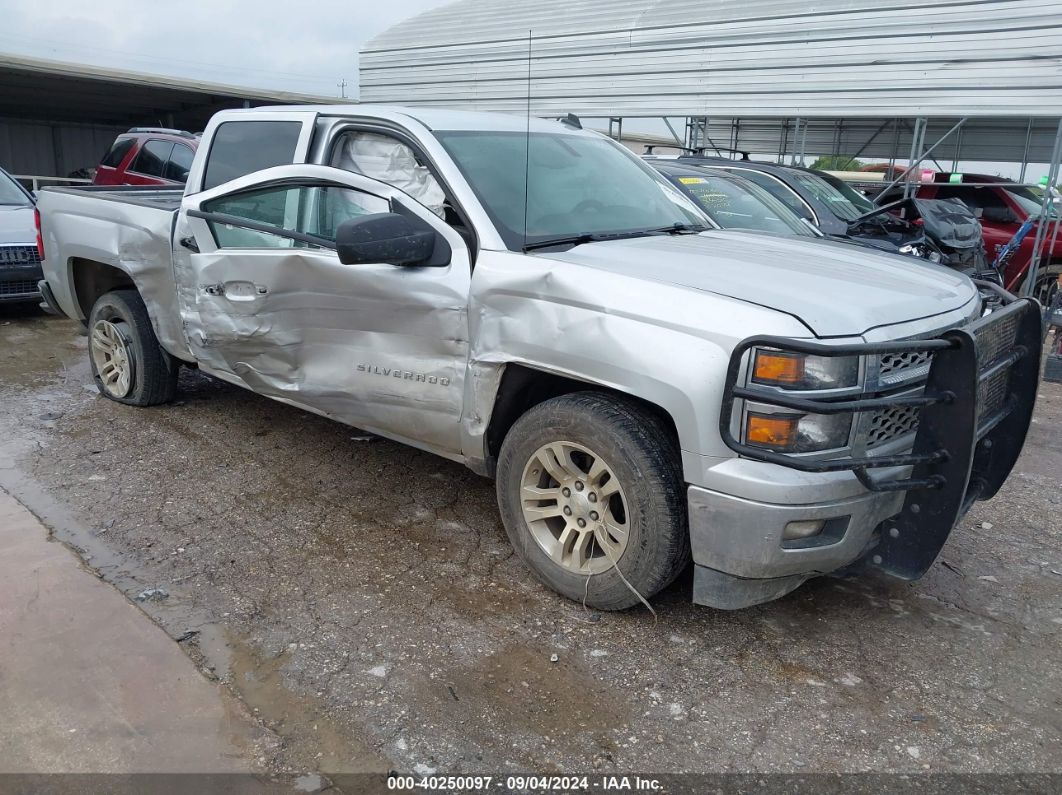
590, 483
128, 364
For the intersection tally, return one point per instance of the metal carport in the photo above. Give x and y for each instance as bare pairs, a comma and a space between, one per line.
57, 118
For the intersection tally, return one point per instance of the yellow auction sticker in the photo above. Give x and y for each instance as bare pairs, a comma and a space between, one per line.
691, 180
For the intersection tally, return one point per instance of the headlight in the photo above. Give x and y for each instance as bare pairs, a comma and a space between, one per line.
797, 433
804, 372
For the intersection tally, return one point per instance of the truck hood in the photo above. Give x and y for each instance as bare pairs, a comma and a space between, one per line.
16, 225
835, 289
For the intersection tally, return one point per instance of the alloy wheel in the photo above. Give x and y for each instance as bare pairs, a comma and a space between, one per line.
575, 507
112, 356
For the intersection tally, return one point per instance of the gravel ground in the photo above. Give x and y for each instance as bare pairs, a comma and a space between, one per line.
362, 598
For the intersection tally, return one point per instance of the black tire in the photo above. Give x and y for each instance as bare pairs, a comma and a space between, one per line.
154, 372
1046, 283
641, 449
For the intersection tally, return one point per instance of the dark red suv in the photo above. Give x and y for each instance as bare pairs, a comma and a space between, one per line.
148, 156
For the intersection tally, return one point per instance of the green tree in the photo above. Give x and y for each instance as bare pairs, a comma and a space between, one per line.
837, 163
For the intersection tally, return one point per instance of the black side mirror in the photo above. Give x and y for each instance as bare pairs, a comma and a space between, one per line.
387, 237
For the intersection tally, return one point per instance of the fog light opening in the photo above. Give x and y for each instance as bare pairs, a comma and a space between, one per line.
804, 528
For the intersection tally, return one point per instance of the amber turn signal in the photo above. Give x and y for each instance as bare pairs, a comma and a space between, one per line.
775, 367
775, 431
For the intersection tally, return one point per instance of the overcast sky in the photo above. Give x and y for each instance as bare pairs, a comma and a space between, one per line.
302, 45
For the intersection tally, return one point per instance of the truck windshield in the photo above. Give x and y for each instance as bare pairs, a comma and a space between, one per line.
844, 201
11, 193
577, 186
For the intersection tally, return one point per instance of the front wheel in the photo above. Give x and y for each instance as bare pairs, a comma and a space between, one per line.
1046, 284
128, 364
590, 483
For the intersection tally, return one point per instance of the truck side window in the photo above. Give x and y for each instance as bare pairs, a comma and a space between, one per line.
315, 210
242, 147
151, 158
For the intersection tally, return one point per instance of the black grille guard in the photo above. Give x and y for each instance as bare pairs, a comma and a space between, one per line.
974, 414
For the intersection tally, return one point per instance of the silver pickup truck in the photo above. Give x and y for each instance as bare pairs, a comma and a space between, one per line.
530, 299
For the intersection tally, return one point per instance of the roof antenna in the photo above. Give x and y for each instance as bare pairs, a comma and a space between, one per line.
527, 136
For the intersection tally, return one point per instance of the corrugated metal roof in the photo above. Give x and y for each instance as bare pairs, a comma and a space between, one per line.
77, 71
727, 58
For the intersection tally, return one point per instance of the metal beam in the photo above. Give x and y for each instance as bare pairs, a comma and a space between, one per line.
1042, 224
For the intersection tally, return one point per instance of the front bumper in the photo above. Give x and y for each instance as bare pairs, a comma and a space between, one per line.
974, 414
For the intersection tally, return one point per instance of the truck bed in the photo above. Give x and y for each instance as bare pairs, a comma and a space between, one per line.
168, 199
125, 228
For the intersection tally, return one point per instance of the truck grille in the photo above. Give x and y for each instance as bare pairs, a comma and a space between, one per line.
895, 368
893, 362
19, 255
19, 287
891, 423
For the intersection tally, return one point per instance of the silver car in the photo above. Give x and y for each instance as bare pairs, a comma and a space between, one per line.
20, 262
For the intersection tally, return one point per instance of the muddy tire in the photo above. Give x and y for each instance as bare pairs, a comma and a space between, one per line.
589, 482
128, 364
1046, 283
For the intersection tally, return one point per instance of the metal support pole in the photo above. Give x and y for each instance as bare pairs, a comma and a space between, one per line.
798, 148
917, 155
917, 140
696, 127
1043, 223
870, 140
895, 146
1025, 154
675, 135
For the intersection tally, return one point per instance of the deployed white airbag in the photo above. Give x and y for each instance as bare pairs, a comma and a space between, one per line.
388, 160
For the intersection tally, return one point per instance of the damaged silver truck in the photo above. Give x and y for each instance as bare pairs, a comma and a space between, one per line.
530, 299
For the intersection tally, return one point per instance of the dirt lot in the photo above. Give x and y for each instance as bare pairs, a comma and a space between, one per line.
361, 597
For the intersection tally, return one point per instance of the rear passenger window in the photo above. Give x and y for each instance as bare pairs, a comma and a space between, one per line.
180, 163
242, 147
151, 159
119, 149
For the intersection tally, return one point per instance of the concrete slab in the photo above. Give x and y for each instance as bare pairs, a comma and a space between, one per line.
89, 684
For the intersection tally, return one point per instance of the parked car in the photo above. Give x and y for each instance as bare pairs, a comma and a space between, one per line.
533, 300
1001, 208
734, 202
148, 156
20, 262
825, 201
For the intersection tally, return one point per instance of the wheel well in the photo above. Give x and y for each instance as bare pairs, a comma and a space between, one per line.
92, 279
522, 388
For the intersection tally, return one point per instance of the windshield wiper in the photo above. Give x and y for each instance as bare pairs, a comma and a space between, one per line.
597, 237
573, 240
677, 229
